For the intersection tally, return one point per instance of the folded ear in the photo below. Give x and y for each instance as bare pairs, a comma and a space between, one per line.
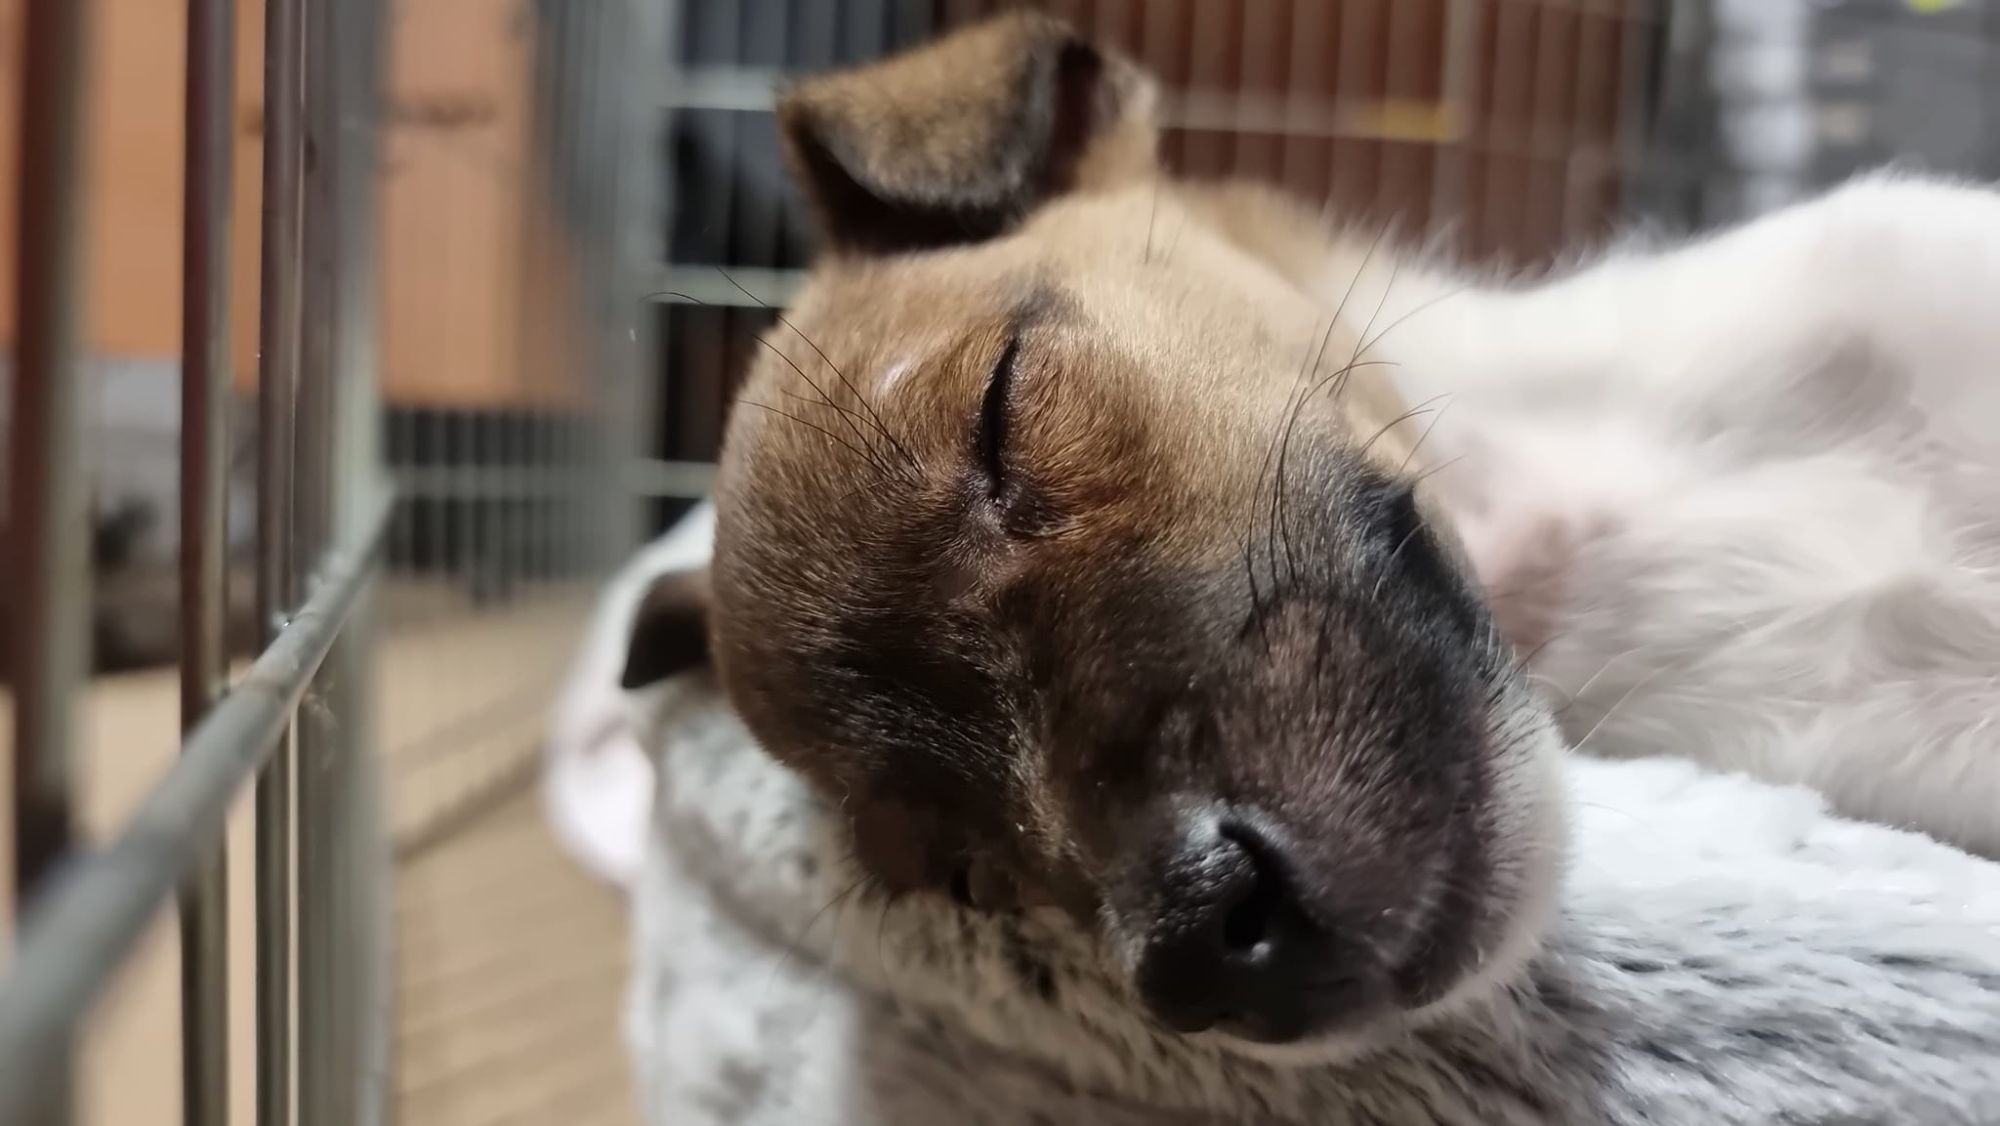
670, 629
956, 140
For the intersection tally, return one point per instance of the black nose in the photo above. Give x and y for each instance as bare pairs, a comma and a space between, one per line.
1234, 944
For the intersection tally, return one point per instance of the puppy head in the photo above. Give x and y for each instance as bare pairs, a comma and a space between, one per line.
1062, 545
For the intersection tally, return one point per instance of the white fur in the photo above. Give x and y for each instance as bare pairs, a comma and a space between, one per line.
1773, 457
894, 376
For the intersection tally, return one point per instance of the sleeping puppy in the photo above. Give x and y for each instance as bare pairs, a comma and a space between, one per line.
1079, 537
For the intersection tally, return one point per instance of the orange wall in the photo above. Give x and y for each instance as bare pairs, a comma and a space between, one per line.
452, 204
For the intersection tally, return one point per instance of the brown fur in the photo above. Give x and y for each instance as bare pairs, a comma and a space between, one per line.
1200, 577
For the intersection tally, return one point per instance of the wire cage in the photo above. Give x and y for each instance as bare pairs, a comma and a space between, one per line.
324, 322
353, 340
1502, 132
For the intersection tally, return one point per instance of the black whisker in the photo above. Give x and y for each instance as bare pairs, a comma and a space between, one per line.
782, 356
1421, 408
1341, 373
1439, 467
1421, 439
1153, 213
1369, 343
1278, 529
875, 417
825, 399
842, 442
1283, 494
847, 414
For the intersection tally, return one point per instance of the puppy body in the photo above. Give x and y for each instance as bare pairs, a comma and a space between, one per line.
1758, 532
1076, 542
1740, 500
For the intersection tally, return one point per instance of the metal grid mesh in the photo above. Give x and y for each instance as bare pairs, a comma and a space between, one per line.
509, 355
1503, 133
1763, 101
400, 233
1500, 131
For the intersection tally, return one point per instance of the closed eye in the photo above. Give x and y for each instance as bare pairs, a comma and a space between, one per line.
991, 440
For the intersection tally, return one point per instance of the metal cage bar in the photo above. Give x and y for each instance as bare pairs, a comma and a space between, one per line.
81, 911
277, 581
48, 514
318, 993
206, 200
78, 934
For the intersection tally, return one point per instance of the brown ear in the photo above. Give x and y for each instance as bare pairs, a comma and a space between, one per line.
670, 630
956, 140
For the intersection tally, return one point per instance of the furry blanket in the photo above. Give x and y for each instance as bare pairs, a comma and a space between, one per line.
1727, 953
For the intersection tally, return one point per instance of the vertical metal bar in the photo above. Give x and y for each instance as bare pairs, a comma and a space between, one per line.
48, 508
1152, 46
637, 194
546, 191
1636, 18
1450, 189
1394, 155
544, 195
1358, 85
333, 749
577, 164
1580, 144
1503, 204
652, 184
318, 1077
490, 500
1209, 150
1552, 94
862, 30
461, 499
581, 222
913, 21
1311, 30
433, 444
49, 514
608, 57
342, 731
1257, 149
277, 584
208, 180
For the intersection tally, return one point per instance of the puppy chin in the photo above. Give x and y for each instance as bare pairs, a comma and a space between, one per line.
1527, 891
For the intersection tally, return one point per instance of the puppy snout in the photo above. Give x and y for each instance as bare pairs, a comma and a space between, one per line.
1233, 944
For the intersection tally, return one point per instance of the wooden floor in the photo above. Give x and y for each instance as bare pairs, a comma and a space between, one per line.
512, 969
510, 962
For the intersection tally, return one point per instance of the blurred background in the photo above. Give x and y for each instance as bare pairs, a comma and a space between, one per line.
539, 238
